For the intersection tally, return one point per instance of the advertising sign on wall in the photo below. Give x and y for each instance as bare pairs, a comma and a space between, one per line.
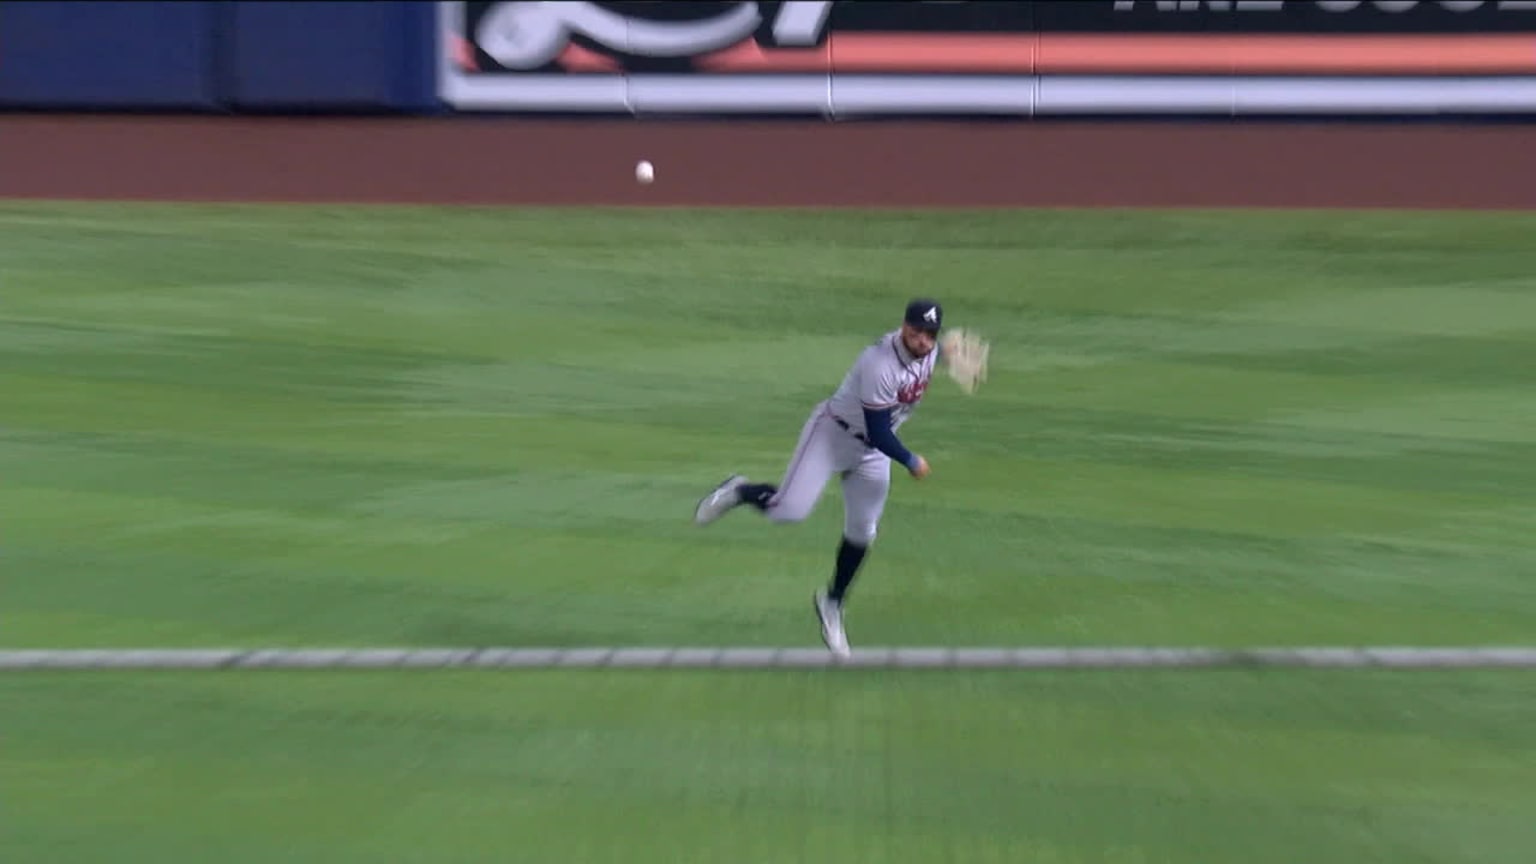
1015, 58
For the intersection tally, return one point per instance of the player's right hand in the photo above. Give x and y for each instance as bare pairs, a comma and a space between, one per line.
919, 467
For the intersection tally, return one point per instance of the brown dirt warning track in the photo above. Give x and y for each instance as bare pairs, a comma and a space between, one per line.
520, 161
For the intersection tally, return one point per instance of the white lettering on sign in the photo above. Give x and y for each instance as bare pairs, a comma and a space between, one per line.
801, 23
527, 34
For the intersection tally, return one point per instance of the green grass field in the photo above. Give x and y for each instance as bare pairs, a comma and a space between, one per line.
264, 426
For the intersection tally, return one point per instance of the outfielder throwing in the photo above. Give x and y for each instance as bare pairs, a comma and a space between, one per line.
852, 434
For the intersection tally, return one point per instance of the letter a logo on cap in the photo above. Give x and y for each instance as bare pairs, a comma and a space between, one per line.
931, 315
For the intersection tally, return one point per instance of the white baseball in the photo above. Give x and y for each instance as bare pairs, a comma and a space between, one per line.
644, 171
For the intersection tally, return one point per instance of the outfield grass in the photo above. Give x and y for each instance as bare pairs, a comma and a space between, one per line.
1324, 767
269, 426
296, 426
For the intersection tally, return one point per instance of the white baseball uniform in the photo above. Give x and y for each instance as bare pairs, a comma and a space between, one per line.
834, 439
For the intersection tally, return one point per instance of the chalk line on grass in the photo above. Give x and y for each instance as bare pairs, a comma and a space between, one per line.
1400, 657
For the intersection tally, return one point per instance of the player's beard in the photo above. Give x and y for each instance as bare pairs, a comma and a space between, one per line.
907, 343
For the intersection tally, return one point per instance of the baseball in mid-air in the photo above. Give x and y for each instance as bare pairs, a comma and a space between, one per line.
645, 172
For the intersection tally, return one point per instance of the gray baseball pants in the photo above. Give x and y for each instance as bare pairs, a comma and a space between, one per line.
826, 449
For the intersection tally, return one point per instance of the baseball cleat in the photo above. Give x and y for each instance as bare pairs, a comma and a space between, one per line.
831, 615
719, 501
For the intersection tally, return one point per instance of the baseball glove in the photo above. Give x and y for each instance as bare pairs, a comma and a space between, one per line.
965, 356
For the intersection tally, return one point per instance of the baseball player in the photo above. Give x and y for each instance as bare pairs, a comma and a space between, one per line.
851, 435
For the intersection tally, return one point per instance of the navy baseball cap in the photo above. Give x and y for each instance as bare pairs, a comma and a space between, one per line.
925, 315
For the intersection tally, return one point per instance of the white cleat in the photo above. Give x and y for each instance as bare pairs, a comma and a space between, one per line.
831, 615
720, 501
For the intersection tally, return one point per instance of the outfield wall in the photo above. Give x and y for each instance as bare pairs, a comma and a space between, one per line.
218, 57
1020, 59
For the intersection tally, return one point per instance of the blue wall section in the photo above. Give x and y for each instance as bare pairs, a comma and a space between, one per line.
219, 55
113, 54
323, 55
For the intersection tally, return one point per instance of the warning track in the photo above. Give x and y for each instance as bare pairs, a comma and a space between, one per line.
785, 163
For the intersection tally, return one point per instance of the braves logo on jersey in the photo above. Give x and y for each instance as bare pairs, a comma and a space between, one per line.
911, 393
